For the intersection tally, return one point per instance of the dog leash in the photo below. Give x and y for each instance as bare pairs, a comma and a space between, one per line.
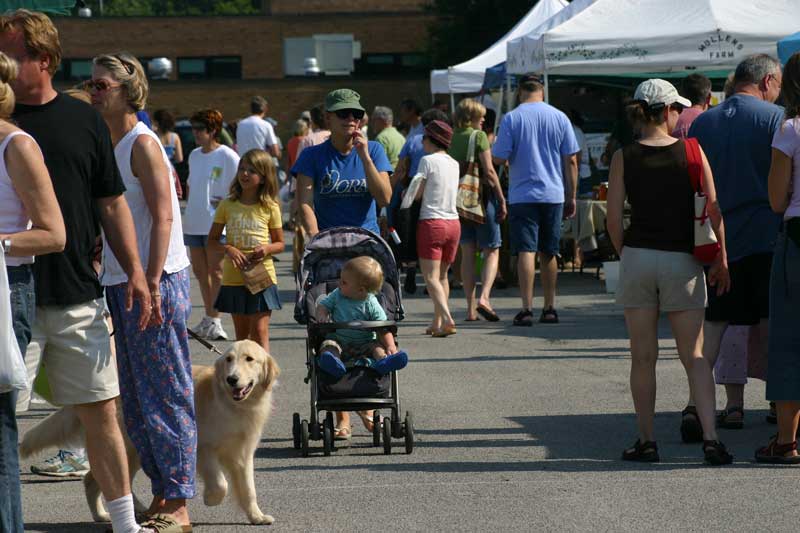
204, 342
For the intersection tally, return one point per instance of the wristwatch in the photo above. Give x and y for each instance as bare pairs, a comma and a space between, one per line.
6, 246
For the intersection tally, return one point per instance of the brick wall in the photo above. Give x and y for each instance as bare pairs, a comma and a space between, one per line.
342, 6
258, 40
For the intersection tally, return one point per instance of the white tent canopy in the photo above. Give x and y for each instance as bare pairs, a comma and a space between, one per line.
468, 76
611, 37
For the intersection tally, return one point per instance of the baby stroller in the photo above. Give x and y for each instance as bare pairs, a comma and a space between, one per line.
361, 388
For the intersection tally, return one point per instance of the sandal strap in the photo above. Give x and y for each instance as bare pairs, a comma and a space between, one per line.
781, 449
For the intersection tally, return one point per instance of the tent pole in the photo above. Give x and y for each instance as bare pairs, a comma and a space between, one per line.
452, 103
509, 101
546, 87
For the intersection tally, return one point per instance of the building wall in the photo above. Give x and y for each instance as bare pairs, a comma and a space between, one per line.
342, 6
258, 40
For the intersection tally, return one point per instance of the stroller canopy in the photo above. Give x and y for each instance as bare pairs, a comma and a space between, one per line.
329, 250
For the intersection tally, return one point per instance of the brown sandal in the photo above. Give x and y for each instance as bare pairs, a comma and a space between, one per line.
776, 453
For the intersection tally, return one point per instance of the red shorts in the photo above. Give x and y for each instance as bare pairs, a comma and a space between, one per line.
437, 239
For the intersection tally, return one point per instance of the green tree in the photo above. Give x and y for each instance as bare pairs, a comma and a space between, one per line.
465, 28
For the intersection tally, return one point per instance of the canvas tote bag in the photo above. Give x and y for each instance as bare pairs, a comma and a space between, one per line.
13, 375
468, 200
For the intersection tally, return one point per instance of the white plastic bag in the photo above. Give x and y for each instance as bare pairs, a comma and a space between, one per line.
12, 367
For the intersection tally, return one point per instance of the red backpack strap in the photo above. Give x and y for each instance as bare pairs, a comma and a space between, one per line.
694, 162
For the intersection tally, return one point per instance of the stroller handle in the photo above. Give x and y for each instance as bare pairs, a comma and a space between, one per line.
365, 325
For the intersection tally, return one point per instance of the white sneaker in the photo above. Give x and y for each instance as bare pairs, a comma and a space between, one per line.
215, 332
202, 327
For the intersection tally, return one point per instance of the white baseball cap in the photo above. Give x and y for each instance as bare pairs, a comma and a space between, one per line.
657, 91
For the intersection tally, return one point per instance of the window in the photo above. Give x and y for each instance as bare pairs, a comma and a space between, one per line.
199, 68
392, 64
74, 70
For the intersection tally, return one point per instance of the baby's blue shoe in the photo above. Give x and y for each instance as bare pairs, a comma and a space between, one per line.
391, 363
330, 364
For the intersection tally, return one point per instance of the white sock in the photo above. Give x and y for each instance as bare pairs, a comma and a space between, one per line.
77, 452
217, 321
123, 518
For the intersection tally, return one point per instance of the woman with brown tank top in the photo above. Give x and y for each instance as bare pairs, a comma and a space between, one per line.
658, 271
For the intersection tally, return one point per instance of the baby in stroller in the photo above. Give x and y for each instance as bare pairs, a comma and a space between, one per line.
354, 300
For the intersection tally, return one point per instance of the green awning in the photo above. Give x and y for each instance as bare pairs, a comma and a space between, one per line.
51, 7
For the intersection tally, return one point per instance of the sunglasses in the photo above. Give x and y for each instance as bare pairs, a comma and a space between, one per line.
344, 114
100, 85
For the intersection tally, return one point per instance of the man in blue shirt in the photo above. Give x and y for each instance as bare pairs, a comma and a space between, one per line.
736, 136
340, 180
539, 143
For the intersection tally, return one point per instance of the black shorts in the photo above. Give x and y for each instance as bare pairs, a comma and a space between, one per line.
747, 303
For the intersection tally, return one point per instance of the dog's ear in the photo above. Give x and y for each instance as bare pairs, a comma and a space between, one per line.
271, 372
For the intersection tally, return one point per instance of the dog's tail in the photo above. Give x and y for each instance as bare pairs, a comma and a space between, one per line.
60, 429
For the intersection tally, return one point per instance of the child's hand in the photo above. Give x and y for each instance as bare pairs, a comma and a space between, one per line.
236, 256
322, 314
259, 253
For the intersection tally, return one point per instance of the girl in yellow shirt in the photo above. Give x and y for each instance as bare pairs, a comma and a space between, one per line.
251, 216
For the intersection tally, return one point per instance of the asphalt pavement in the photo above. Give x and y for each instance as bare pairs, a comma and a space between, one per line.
517, 429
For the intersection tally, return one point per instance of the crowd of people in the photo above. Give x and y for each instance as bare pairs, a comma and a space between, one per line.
87, 168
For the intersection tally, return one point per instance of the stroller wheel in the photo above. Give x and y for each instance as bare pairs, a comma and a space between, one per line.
304, 437
387, 436
329, 421
376, 429
327, 438
408, 431
296, 430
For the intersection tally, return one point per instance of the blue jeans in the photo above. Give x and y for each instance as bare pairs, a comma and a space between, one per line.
20, 281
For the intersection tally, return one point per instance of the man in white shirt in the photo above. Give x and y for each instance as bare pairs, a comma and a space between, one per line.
254, 132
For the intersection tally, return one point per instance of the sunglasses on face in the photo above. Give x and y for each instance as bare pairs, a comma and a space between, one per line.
344, 114
100, 86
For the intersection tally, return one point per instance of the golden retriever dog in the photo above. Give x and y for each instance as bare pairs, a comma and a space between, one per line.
232, 404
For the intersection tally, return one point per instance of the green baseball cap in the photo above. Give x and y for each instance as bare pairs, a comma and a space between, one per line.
343, 99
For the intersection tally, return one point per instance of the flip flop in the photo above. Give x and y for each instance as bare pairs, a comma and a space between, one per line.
476, 319
165, 523
342, 433
444, 332
367, 419
488, 314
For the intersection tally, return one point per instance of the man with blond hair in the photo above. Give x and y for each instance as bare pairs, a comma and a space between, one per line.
70, 335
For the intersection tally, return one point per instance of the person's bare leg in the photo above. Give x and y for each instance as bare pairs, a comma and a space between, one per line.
712, 340
259, 329
491, 258
431, 270
548, 271
241, 325
687, 328
468, 277
526, 270
200, 269
214, 260
105, 447
788, 417
176, 508
642, 324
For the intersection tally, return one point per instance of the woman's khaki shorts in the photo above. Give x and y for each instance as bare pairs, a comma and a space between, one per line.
671, 281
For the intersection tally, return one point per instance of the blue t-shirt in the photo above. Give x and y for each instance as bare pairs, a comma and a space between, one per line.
414, 151
737, 139
341, 195
533, 138
344, 309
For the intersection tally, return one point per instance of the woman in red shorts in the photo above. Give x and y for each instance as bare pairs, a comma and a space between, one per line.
438, 230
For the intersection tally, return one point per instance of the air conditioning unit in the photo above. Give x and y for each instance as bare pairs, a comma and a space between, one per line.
334, 53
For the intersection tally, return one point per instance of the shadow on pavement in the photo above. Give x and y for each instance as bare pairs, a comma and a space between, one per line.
81, 527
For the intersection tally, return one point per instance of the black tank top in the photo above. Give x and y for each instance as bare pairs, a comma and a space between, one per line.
660, 194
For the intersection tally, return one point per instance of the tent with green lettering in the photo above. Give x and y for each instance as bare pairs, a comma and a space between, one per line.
613, 37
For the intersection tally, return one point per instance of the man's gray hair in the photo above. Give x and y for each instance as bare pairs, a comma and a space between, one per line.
755, 68
383, 113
